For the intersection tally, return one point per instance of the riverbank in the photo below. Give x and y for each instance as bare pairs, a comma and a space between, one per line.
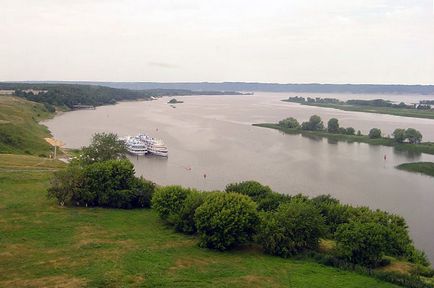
413, 113
425, 147
45, 245
426, 168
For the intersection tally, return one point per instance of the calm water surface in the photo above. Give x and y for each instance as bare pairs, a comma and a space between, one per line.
213, 135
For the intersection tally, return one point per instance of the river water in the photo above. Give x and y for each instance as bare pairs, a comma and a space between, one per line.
213, 135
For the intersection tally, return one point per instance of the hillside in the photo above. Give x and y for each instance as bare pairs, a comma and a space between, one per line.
20, 132
273, 87
42, 245
69, 95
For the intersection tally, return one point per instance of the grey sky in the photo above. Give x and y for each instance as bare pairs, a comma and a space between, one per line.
333, 41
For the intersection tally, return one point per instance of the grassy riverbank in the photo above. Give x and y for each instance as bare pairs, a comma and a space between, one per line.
426, 168
20, 132
426, 147
42, 245
414, 113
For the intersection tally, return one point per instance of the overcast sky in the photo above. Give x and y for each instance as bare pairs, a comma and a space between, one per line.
286, 41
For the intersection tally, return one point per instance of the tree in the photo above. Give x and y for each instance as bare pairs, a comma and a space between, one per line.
315, 123
104, 146
333, 125
350, 131
295, 226
374, 133
413, 136
361, 243
253, 189
226, 220
65, 184
168, 201
399, 135
359, 133
290, 122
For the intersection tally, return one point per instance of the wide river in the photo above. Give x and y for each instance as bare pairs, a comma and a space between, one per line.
213, 135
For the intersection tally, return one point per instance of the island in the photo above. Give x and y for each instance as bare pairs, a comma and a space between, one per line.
174, 101
402, 139
423, 109
426, 168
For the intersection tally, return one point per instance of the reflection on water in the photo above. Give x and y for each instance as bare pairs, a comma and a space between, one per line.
213, 135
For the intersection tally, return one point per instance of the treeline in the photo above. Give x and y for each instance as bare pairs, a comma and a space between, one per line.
69, 95
423, 104
315, 123
245, 213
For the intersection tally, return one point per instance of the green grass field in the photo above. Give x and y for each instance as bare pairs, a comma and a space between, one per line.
20, 132
43, 245
426, 168
413, 113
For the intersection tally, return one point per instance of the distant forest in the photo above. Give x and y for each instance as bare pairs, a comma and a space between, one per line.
274, 87
70, 95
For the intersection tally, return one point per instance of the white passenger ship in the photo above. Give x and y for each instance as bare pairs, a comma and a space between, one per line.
143, 144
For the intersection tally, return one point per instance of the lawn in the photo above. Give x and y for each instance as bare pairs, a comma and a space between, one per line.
43, 245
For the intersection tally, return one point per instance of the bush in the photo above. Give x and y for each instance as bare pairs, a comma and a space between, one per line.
102, 179
295, 227
290, 122
374, 133
253, 189
350, 131
184, 220
168, 201
361, 243
65, 184
105, 184
141, 192
272, 201
226, 220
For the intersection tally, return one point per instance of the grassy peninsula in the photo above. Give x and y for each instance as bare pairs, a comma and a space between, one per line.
341, 134
426, 168
377, 106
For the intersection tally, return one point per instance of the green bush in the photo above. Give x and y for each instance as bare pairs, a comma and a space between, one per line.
290, 122
226, 220
184, 220
168, 201
253, 189
295, 227
361, 243
141, 192
272, 201
105, 184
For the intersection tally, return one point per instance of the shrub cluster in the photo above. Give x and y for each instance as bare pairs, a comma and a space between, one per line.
285, 225
105, 184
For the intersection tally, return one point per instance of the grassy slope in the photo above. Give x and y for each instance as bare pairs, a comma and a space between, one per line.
414, 113
426, 168
44, 245
425, 147
20, 132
